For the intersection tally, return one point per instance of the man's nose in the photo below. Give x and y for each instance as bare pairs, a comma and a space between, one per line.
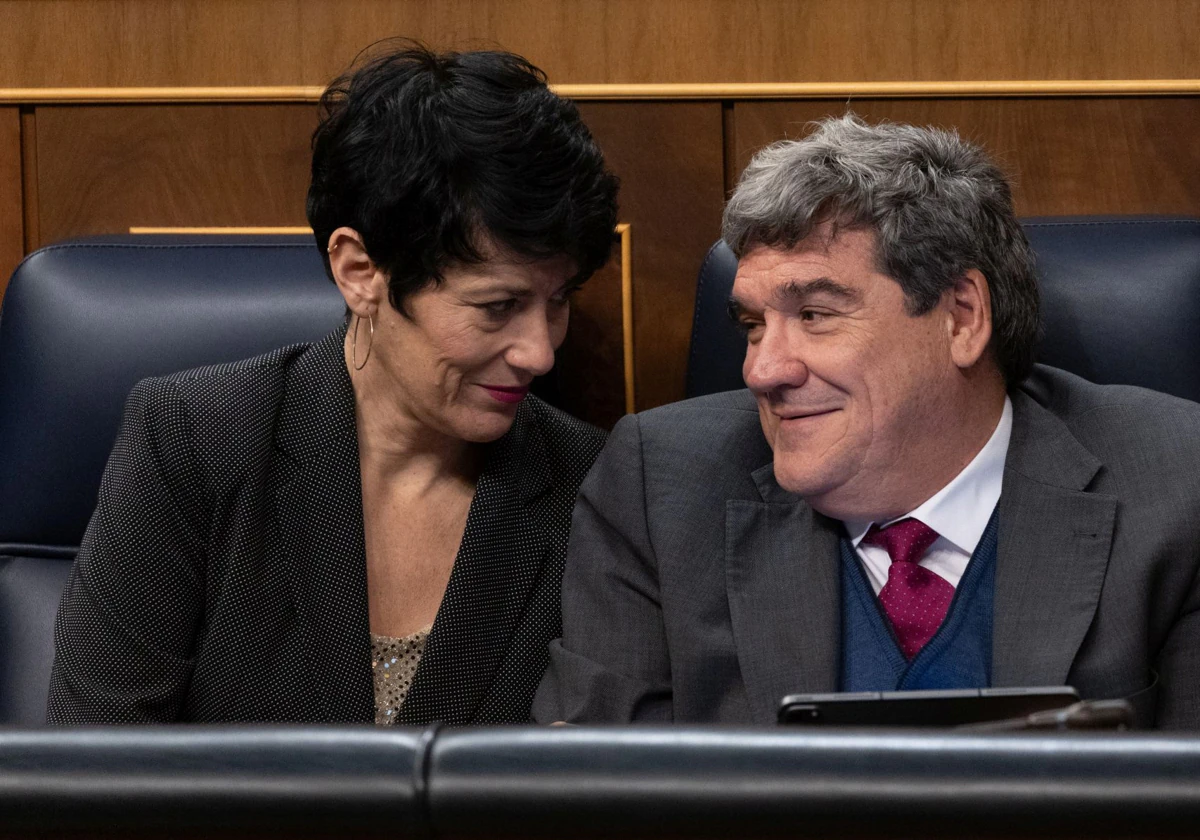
774, 361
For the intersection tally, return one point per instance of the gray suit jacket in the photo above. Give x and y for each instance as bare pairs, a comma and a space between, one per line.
698, 590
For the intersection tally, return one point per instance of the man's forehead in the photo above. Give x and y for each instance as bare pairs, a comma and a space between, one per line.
849, 256
784, 263
822, 240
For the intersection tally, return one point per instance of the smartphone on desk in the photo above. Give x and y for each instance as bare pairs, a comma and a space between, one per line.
922, 708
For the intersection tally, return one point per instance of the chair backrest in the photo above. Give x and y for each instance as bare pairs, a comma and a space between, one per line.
639, 782
81, 323
1120, 297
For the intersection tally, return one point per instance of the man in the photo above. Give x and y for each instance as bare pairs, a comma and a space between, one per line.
902, 499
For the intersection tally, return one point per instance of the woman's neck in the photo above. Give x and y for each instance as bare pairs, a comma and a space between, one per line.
393, 442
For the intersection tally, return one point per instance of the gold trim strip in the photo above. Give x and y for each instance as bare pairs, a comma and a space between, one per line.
885, 90
782, 90
222, 230
118, 95
623, 230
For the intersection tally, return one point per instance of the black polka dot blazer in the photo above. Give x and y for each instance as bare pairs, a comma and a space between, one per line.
223, 574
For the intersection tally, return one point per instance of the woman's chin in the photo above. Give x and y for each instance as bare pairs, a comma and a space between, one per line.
486, 426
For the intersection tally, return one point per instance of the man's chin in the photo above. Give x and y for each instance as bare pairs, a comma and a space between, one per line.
800, 482
836, 500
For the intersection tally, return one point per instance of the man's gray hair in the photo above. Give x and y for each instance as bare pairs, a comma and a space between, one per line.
937, 205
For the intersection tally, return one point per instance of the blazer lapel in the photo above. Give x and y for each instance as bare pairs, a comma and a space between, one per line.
499, 562
1054, 545
317, 496
784, 595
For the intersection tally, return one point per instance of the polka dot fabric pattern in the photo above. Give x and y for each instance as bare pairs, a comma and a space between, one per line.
914, 599
228, 528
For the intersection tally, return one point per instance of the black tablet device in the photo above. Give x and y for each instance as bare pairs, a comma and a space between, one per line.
922, 708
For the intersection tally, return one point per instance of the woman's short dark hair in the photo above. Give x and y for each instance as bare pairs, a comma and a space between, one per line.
433, 158
937, 204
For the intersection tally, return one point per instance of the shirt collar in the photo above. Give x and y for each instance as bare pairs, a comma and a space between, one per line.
960, 511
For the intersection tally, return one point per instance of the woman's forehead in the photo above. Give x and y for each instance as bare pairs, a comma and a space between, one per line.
509, 269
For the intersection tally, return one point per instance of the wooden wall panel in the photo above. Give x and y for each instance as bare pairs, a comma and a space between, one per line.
669, 158
112, 43
589, 375
104, 169
1067, 156
12, 227
268, 42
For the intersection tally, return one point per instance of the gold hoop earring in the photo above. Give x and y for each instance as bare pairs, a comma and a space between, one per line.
354, 343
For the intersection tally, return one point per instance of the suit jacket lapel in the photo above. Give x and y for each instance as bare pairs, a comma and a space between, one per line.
784, 595
499, 563
317, 495
1055, 540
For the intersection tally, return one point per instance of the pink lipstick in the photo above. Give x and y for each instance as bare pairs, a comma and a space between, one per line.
506, 395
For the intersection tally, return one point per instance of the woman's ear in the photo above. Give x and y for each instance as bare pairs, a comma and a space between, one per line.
360, 281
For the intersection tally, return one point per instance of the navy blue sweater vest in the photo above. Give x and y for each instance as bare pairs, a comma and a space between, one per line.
958, 656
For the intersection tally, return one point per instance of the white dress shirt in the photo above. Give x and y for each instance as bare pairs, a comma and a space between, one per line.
959, 512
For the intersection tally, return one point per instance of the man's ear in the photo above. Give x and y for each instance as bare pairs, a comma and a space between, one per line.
970, 301
360, 281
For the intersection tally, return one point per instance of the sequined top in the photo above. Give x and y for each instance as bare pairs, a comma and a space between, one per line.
394, 662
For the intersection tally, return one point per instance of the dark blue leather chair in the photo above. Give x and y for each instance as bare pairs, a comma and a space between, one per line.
82, 322
1121, 299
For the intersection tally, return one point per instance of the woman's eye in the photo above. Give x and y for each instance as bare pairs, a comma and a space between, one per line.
499, 308
564, 297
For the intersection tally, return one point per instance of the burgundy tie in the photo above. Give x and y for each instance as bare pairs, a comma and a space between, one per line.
914, 598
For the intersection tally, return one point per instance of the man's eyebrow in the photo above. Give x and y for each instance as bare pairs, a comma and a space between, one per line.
795, 292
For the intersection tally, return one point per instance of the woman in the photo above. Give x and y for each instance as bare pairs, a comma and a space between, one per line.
289, 537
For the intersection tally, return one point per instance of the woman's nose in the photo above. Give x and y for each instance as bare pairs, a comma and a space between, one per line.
533, 349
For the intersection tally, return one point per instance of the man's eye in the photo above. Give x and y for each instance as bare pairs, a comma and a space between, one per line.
812, 315
748, 328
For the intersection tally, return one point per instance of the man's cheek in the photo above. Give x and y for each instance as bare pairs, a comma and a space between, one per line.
770, 426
